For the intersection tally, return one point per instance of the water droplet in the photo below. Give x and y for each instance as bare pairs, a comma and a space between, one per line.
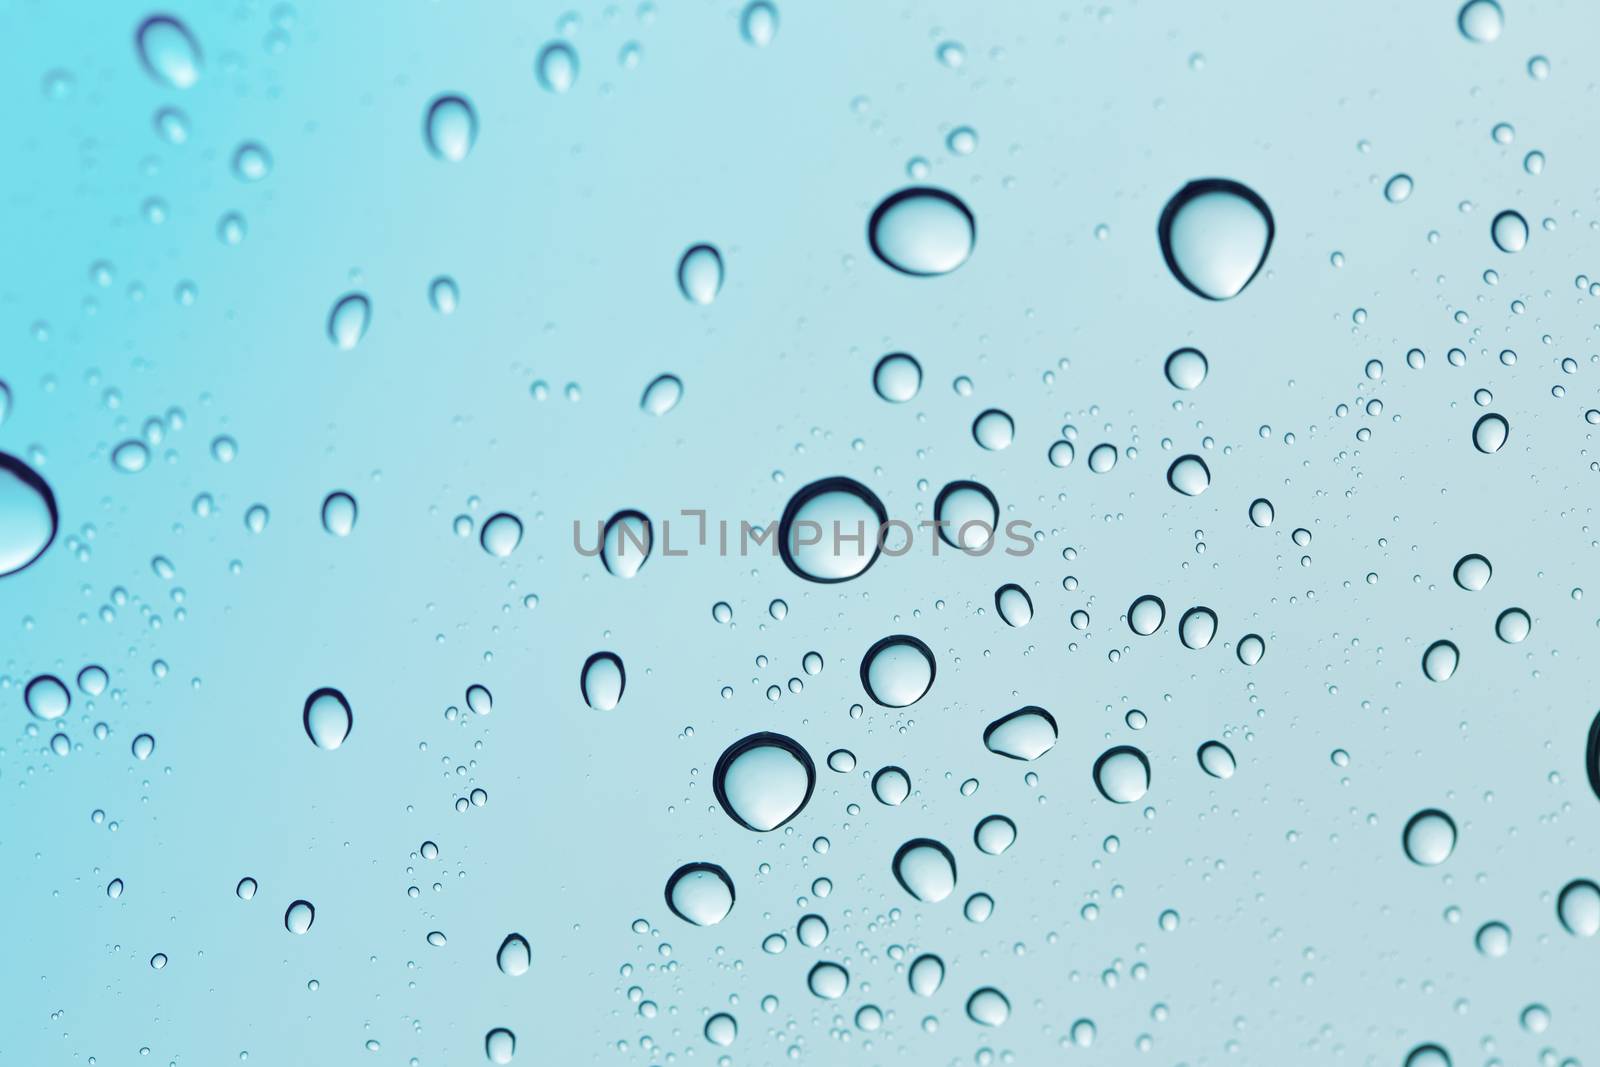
557, 67
700, 274
1122, 774
327, 718
626, 543
450, 127
1440, 660
499, 1045
721, 1029
1472, 572
1215, 234
47, 697
1216, 759
1186, 368
1189, 475
1592, 755
661, 395
897, 671
339, 513
168, 51
1493, 939
925, 869
28, 517
501, 534
1513, 626
828, 981
1429, 837
299, 917
1013, 605
479, 700
763, 780
1024, 734
349, 319
1490, 432
1480, 21
759, 22
988, 1007
1509, 231
1196, 627
1578, 908
246, 889
993, 430
251, 162
925, 975
817, 535
922, 231
978, 908
1250, 649
1261, 514
897, 377
994, 834
1102, 458
131, 456
143, 746
1397, 190
700, 893
1146, 614
891, 786
444, 296
603, 680
968, 514
1062, 453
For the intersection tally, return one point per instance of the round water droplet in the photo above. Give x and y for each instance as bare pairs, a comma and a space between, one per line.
1122, 774
922, 231
1261, 512
700, 893
1481, 21
1429, 837
501, 534
763, 780
1186, 368
1024, 734
1189, 475
1440, 660
1489, 433
830, 530
1196, 627
700, 274
47, 697
1013, 605
299, 917
327, 718
500, 1045
479, 700
131, 456
168, 51
339, 513
1429, 1055
1215, 234
994, 834
444, 296
994, 430
988, 1007
828, 981
1578, 908
450, 127
661, 395
1102, 458
1509, 231
968, 514
1146, 614
1493, 939
602, 681
721, 1029
1062, 454
1397, 190
93, 680
1513, 626
1216, 759
349, 319
143, 746
891, 786
897, 377
1250, 649
626, 542
897, 671
557, 66
925, 975
1472, 572
925, 869
246, 889
759, 22
28, 517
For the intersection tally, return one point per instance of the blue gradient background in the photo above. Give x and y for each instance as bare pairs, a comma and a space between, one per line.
1307, 938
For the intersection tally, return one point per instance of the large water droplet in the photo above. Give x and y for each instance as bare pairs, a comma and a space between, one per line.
1024, 734
1489, 433
1186, 368
1122, 774
925, 975
1197, 627
1513, 626
891, 786
603, 680
700, 893
828, 981
1440, 660
1146, 614
28, 517
1215, 234
557, 66
925, 869
830, 530
500, 1045
169, 52
1216, 759
299, 917
968, 514
661, 395
897, 377
626, 543
922, 231
988, 1007
47, 697
764, 780
327, 718
1472, 572
1429, 837
450, 127
700, 274
1481, 21
1013, 605
1261, 514
1189, 475
339, 513
1509, 231
349, 319
514, 957
897, 671
1578, 908
501, 534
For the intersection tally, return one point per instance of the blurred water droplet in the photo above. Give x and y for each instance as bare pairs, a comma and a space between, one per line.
925, 869
1062, 453
897, 671
1429, 1055
817, 535
922, 231
444, 296
557, 66
1493, 939
603, 680
349, 319
251, 162
1024, 734
339, 513
1440, 660
1480, 21
1513, 626
700, 273
28, 517
1429, 837
327, 718
450, 127
763, 780
131, 456
143, 746
721, 1029
661, 395
700, 893
1215, 235
169, 52
1397, 190
759, 22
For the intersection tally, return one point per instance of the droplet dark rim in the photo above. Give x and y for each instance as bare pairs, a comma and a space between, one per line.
29, 477
808, 493
898, 639
1031, 709
910, 192
691, 868
760, 740
1118, 750
915, 843
1201, 187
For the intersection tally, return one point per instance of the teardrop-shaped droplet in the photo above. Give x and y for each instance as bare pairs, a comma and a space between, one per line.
988, 1007
1472, 572
1440, 660
661, 395
500, 1045
1189, 475
1509, 231
47, 697
721, 1029
327, 718
1578, 908
1215, 234
700, 274
1122, 774
828, 980
625, 543
168, 51
557, 66
142, 747
897, 671
1250, 649
514, 957
1513, 626
763, 780
28, 517
1013, 605
450, 127
922, 231
339, 513
1429, 837
925, 869
759, 22
1216, 759
891, 786
1481, 21
1489, 433
897, 377
831, 530
1024, 734
1197, 627
603, 680
1186, 368
700, 893
994, 430
994, 834
967, 514
349, 319
299, 917
501, 534
925, 975
1429, 1055
1146, 614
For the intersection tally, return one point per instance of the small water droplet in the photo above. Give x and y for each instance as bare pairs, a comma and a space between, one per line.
28, 517
444, 296
993, 430
1189, 475
1250, 649
1578, 908
131, 456
994, 834
299, 917
817, 535
339, 513
557, 67
500, 1045
828, 981
661, 395
1480, 21
721, 1029
1509, 231
251, 162
1186, 368
1146, 614
1440, 660
1513, 626
47, 697
1472, 572
246, 889
1216, 759
1397, 190
501, 534
1024, 734
891, 786
1196, 627
759, 22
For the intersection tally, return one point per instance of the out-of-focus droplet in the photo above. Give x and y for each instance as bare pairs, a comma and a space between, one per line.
925, 869
1481, 21
1146, 614
444, 296
1493, 939
1578, 908
339, 513
925, 975
1186, 368
450, 127
1472, 572
897, 671
922, 231
603, 680
626, 542
891, 786
327, 718
47, 697
169, 52
1250, 649
93, 679
1024, 734
251, 162
1216, 759
700, 273
172, 125
1122, 774
1197, 627
501, 534
897, 377
1509, 231
1397, 190
700, 893
817, 532
500, 1045
1189, 475
1215, 235
988, 1007
349, 319
763, 780
1440, 660
557, 66
28, 517
1013, 605
968, 515
759, 22
661, 395
299, 917
1429, 837
131, 456
994, 834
